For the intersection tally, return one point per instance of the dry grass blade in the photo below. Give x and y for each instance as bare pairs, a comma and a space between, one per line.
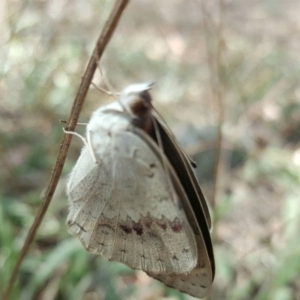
214, 59
103, 40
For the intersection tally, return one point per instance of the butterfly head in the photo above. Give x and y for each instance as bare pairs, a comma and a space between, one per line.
136, 101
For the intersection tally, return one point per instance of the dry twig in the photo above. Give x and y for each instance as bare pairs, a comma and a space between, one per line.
102, 41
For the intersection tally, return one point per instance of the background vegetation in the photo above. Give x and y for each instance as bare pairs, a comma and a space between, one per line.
227, 78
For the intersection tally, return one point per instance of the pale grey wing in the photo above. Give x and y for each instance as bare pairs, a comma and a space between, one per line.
198, 281
88, 189
126, 209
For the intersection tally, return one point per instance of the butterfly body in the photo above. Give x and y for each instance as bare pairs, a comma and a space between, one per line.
127, 202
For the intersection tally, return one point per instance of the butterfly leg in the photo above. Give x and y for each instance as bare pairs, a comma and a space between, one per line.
90, 146
87, 142
76, 134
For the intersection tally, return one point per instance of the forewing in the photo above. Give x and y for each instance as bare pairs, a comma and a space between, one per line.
191, 187
198, 281
126, 208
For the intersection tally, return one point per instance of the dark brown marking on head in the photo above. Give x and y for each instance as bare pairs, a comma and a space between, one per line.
193, 284
152, 165
203, 286
123, 250
175, 257
138, 228
126, 228
143, 257
141, 108
176, 226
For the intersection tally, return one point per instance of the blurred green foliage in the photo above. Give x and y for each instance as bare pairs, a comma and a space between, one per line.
250, 56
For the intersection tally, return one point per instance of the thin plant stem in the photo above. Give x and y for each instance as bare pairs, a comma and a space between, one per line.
105, 36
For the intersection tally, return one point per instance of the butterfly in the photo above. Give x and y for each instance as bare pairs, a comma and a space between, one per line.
134, 199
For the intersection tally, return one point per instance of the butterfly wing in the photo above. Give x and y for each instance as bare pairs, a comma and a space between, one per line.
198, 281
191, 186
126, 209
